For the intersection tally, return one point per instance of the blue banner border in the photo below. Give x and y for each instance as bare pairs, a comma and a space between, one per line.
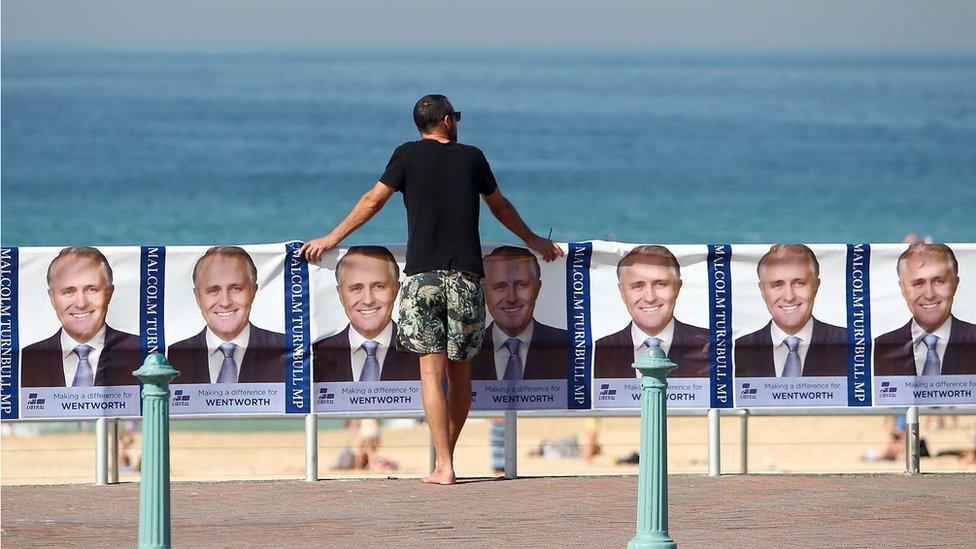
720, 324
298, 383
579, 367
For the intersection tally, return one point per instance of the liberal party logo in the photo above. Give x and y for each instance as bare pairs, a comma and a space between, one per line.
888, 390
748, 392
325, 397
606, 393
34, 403
180, 398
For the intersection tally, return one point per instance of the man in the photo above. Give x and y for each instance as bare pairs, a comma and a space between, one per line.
649, 280
86, 351
934, 341
229, 349
516, 346
442, 302
793, 343
367, 279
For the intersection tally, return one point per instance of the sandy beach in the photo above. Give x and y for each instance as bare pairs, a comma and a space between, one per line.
776, 444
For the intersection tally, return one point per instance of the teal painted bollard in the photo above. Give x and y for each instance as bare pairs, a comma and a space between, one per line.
652, 480
154, 526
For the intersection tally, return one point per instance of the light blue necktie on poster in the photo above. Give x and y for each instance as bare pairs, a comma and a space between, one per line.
932, 366
513, 370
228, 368
371, 368
84, 375
793, 366
652, 342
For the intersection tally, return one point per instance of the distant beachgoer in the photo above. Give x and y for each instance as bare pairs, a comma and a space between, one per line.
442, 303
894, 447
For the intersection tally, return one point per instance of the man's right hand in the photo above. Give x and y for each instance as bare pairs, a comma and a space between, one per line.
547, 248
313, 249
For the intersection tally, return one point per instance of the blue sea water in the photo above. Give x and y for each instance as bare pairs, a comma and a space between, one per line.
126, 148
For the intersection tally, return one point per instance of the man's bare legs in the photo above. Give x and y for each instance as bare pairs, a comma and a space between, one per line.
446, 414
458, 397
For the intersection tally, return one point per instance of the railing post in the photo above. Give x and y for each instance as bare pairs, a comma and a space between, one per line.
511, 444
652, 480
101, 451
714, 443
744, 441
154, 510
113, 450
911, 441
311, 447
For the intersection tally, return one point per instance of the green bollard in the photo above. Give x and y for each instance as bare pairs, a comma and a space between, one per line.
652, 480
154, 527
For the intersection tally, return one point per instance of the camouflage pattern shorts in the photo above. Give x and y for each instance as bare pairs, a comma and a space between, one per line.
442, 311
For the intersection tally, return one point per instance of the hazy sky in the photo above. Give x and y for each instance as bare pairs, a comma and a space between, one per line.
871, 26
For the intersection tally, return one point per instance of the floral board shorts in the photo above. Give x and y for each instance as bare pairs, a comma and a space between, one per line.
442, 311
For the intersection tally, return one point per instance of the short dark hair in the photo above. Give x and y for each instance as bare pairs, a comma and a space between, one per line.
515, 252
926, 248
430, 110
228, 251
650, 250
375, 252
790, 249
87, 252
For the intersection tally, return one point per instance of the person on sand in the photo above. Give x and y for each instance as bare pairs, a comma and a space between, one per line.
442, 304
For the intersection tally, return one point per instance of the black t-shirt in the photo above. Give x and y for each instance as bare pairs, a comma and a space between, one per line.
440, 183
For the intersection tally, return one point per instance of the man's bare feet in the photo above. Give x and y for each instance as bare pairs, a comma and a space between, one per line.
440, 477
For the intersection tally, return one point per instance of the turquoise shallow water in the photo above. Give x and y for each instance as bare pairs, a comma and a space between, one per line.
114, 148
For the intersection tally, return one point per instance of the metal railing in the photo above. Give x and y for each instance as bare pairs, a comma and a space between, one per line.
106, 431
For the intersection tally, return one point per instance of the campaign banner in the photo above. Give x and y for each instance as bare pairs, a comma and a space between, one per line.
923, 323
791, 343
236, 398
925, 390
367, 397
650, 296
529, 394
256, 329
626, 393
80, 402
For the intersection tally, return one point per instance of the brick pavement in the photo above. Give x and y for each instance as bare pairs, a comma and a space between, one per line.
881, 510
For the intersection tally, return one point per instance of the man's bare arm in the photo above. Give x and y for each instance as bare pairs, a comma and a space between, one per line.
370, 203
505, 212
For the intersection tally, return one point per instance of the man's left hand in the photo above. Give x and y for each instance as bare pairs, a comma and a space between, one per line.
314, 249
547, 248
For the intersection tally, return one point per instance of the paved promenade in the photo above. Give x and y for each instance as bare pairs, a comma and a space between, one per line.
887, 510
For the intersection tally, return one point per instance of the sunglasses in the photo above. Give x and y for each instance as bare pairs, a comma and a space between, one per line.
456, 115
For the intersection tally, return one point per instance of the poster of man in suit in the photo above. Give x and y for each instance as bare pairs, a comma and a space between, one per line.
516, 346
649, 282
230, 348
85, 351
367, 282
934, 341
793, 343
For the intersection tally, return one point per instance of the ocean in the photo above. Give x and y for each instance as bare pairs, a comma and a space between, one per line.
136, 148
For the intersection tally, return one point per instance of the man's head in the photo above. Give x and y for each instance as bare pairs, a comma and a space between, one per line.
79, 282
649, 279
435, 114
928, 275
789, 277
368, 280
225, 282
512, 283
